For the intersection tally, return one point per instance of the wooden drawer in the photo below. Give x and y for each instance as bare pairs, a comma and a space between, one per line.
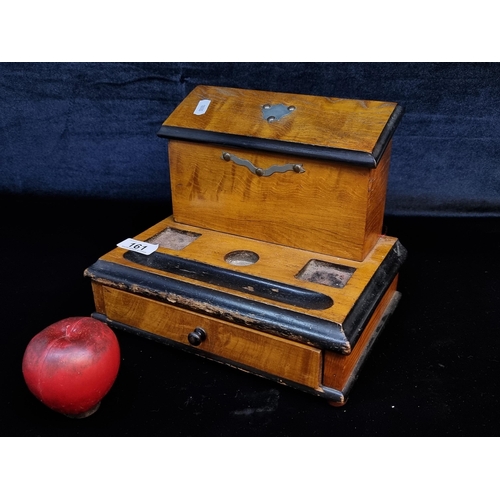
327, 207
282, 358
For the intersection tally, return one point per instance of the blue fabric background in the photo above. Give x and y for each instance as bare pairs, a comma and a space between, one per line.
89, 129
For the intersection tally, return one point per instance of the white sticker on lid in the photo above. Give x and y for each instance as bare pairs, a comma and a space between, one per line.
138, 246
202, 107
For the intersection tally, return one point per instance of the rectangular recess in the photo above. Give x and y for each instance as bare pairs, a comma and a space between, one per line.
173, 239
326, 273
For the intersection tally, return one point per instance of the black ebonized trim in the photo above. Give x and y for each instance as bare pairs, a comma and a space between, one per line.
264, 317
391, 307
369, 299
233, 280
238, 141
360, 158
388, 132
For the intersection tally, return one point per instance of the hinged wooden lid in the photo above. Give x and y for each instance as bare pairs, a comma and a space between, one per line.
345, 130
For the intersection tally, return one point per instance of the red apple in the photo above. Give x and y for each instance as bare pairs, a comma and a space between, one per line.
72, 364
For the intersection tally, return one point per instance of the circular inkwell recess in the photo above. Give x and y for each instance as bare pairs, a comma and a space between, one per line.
241, 258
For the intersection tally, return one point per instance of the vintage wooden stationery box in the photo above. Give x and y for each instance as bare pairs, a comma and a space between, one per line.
273, 260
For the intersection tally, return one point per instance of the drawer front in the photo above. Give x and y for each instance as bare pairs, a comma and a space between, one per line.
278, 357
304, 203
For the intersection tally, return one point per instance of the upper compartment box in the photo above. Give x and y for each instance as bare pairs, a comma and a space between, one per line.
307, 172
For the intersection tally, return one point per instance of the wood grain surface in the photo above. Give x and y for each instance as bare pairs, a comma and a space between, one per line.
332, 208
322, 121
276, 262
240, 345
339, 369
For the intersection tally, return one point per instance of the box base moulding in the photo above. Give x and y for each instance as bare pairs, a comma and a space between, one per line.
303, 319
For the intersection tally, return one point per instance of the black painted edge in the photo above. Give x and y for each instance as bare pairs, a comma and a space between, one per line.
388, 132
371, 296
268, 318
389, 310
359, 158
233, 280
323, 392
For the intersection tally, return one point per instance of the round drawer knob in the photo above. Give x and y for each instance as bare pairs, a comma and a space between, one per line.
197, 336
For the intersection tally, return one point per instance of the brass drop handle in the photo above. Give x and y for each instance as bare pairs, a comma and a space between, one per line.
197, 336
293, 167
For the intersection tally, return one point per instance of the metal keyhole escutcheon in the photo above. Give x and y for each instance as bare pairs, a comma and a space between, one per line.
197, 336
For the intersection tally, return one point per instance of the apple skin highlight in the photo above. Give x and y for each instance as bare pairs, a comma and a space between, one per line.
72, 364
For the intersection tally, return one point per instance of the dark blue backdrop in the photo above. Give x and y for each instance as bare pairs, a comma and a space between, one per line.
89, 130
